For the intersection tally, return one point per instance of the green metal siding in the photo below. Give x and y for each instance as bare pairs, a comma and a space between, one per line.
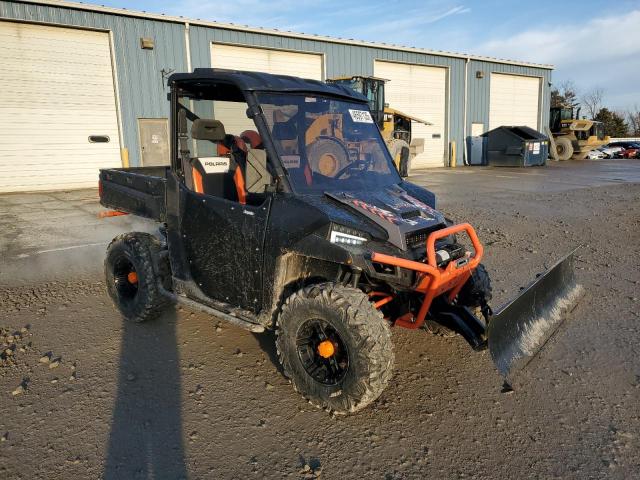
143, 94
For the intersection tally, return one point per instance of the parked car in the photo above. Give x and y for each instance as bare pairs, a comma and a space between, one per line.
610, 152
595, 155
626, 145
631, 152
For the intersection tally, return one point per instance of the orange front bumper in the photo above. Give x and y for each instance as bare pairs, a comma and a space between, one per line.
434, 281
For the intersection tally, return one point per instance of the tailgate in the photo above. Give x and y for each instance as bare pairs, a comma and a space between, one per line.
139, 191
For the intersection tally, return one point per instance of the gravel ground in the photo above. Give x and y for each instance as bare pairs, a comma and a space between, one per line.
83, 395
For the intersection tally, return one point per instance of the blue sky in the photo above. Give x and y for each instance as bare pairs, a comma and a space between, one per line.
595, 43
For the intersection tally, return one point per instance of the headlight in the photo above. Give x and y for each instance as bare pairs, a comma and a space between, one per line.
346, 236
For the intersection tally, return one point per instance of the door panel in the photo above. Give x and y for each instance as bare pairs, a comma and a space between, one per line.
154, 141
514, 100
56, 95
223, 243
420, 91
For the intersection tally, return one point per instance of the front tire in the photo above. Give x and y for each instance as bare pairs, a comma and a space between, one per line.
564, 147
358, 363
132, 276
477, 291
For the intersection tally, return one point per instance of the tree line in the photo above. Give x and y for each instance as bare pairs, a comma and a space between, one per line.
616, 123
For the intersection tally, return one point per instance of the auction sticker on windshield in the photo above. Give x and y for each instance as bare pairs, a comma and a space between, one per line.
361, 116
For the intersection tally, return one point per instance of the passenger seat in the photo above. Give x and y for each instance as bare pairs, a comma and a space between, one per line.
220, 176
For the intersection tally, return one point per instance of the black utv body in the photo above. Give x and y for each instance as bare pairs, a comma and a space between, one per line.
282, 209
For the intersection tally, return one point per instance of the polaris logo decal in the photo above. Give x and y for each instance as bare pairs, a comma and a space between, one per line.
291, 161
215, 164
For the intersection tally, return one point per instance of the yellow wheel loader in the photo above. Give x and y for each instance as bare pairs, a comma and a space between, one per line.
575, 137
394, 125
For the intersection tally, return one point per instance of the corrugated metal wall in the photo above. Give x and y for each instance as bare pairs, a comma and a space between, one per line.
142, 92
478, 88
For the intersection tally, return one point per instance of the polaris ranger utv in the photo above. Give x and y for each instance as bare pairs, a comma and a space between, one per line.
270, 222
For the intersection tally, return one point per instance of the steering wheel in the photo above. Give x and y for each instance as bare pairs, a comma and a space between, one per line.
352, 166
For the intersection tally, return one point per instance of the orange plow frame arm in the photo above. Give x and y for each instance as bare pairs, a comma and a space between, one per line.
433, 280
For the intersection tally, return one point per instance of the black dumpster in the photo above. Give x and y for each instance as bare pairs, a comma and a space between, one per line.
516, 147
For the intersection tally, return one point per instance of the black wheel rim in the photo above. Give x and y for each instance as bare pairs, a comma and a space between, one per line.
126, 289
327, 371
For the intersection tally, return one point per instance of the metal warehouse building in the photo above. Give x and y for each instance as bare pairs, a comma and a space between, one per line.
84, 87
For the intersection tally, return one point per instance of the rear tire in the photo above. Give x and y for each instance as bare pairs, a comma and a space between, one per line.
564, 147
362, 363
132, 276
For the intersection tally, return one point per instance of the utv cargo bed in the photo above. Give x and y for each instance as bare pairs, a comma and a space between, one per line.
138, 190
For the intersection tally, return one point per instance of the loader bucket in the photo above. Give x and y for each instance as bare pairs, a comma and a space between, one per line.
519, 329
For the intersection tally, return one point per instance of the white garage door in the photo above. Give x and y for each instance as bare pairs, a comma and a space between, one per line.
514, 100
305, 65
422, 92
56, 90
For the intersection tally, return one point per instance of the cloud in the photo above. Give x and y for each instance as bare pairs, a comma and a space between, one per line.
603, 52
375, 18
452, 11
568, 45
400, 24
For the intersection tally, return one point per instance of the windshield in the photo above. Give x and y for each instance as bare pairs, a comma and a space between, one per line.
566, 113
371, 88
327, 144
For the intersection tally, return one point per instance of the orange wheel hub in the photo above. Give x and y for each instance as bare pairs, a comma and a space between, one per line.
132, 277
326, 349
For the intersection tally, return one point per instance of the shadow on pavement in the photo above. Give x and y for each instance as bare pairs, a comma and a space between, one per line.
146, 430
267, 342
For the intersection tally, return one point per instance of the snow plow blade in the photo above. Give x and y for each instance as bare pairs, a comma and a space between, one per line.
520, 329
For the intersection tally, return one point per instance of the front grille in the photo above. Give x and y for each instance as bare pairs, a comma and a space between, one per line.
418, 238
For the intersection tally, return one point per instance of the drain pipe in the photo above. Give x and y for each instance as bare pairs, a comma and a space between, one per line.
187, 45
465, 160
187, 50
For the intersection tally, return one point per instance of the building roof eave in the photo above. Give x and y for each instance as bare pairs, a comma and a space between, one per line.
266, 31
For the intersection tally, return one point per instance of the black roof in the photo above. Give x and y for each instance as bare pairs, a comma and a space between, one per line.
521, 131
265, 82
